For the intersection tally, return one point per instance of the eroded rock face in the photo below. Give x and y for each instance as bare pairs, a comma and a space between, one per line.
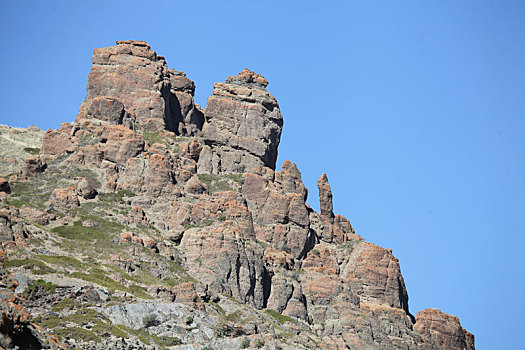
225, 257
442, 331
176, 224
243, 126
276, 201
374, 274
129, 83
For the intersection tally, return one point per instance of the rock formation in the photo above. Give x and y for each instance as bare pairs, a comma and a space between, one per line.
129, 232
243, 126
130, 84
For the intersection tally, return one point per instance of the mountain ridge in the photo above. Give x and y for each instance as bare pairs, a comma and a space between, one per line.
155, 178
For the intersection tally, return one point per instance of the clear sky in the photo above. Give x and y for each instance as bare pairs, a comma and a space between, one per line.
415, 110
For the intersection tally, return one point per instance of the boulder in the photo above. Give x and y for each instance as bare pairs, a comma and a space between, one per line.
243, 126
86, 188
32, 166
65, 198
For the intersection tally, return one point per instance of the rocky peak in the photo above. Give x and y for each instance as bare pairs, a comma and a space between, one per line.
248, 77
118, 214
243, 126
130, 84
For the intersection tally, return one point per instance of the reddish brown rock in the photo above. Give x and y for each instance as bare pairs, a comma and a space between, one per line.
279, 201
121, 144
442, 331
65, 198
56, 143
129, 83
325, 197
224, 255
243, 126
374, 275
32, 166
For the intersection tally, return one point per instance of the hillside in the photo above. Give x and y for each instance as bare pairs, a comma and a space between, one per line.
151, 223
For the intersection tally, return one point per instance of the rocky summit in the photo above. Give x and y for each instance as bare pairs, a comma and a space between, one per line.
150, 223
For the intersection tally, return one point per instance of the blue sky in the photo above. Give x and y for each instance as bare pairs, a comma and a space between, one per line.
414, 109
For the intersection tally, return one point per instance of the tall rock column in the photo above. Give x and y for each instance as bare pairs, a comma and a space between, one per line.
243, 126
325, 197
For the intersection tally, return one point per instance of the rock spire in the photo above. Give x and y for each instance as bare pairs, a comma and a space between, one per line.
243, 126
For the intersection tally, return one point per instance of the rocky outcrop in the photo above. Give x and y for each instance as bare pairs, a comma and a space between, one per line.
33, 165
225, 256
16, 329
64, 198
243, 126
129, 210
130, 84
276, 201
442, 331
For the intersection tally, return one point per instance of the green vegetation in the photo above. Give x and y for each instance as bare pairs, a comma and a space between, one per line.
201, 224
189, 320
282, 319
154, 137
77, 333
220, 183
103, 328
245, 343
166, 342
99, 276
259, 343
233, 317
350, 245
62, 260
36, 267
32, 150
65, 303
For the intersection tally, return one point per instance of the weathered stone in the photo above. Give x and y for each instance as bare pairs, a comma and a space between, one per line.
32, 166
108, 109
225, 256
121, 144
129, 83
194, 186
442, 331
280, 203
56, 143
374, 275
65, 198
325, 197
243, 126
34, 215
86, 189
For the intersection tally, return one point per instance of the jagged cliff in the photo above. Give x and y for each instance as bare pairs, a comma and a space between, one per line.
151, 223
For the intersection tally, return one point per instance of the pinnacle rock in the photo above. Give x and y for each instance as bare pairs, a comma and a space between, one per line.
243, 126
